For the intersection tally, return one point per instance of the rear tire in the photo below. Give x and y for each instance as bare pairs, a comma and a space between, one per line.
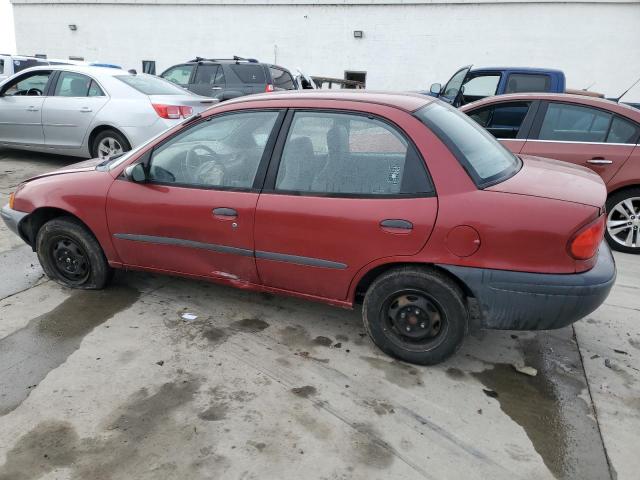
621, 221
108, 143
71, 255
415, 314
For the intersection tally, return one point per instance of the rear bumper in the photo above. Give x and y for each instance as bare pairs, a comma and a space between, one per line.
535, 301
12, 218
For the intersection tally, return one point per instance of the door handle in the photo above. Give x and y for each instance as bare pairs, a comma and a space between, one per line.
394, 223
31, 108
599, 161
216, 88
225, 212
85, 109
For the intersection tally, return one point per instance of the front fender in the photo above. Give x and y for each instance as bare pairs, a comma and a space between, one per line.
81, 194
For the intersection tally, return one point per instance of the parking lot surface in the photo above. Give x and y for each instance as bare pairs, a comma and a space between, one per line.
121, 384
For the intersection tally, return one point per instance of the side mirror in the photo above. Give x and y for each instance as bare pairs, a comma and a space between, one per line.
136, 173
435, 89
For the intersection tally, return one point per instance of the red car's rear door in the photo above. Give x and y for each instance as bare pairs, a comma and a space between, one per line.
343, 190
195, 213
583, 135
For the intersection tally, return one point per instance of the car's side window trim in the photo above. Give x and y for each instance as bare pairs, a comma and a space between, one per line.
527, 123
274, 164
536, 126
51, 84
51, 89
542, 112
258, 181
104, 92
268, 168
191, 74
628, 120
23, 76
276, 155
471, 76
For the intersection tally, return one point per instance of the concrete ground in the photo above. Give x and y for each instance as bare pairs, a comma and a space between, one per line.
117, 385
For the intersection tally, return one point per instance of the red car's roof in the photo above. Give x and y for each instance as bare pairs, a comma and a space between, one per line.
407, 101
605, 104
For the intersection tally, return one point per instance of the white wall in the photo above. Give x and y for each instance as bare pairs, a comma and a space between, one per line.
404, 46
7, 34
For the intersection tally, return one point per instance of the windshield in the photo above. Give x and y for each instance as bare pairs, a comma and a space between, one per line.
482, 156
150, 85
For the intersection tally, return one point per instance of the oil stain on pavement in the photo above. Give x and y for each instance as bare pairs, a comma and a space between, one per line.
549, 408
29, 354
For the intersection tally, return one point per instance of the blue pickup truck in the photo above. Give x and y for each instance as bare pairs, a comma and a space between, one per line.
468, 85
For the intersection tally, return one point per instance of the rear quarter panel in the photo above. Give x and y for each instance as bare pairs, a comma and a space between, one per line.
629, 174
517, 232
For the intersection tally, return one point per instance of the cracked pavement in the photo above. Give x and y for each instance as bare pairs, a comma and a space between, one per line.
116, 384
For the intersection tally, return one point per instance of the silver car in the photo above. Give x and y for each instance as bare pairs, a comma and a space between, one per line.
89, 111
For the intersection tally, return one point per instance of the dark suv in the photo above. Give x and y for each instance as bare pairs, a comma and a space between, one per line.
229, 78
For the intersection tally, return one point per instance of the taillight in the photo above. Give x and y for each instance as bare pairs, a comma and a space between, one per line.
269, 88
172, 111
584, 244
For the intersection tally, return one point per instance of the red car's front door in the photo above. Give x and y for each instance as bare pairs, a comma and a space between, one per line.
582, 135
175, 229
349, 189
195, 213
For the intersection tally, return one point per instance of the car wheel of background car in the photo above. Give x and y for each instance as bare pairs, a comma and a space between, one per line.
71, 255
109, 143
623, 221
415, 314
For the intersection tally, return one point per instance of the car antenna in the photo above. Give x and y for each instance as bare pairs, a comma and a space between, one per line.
586, 89
627, 90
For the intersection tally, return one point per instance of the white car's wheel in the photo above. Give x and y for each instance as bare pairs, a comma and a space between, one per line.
109, 143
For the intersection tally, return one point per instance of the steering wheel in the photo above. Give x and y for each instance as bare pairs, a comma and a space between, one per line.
34, 92
196, 166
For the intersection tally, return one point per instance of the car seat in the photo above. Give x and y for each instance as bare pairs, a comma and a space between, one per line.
338, 174
298, 165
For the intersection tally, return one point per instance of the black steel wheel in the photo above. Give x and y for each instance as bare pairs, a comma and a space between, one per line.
69, 259
71, 255
416, 314
413, 319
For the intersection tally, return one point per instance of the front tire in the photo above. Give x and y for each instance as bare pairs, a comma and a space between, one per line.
71, 255
415, 314
109, 143
623, 221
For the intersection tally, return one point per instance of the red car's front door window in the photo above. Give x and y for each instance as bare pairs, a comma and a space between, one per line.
196, 213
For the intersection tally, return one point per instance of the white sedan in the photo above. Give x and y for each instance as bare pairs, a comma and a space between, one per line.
88, 111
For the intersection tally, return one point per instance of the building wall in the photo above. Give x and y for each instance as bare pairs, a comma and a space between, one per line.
405, 46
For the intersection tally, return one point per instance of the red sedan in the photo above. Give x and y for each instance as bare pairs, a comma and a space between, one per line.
593, 132
397, 201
